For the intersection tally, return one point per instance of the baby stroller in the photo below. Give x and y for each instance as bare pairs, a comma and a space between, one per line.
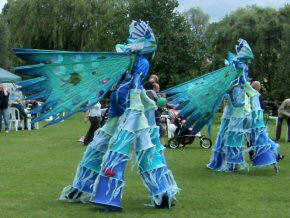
182, 138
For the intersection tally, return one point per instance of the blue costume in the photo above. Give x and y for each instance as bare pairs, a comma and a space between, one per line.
242, 118
100, 175
68, 80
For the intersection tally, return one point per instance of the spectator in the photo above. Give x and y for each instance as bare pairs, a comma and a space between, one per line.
154, 94
23, 116
152, 79
283, 113
4, 113
32, 104
257, 86
94, 116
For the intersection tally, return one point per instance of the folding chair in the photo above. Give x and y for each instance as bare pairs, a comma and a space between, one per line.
14, 116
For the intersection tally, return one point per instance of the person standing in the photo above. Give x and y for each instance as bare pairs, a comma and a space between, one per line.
4, 113
154, 94
257, 86
283, 113
94, 116
152, 79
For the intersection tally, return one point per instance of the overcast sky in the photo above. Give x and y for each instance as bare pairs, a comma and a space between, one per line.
2, 3
217, 9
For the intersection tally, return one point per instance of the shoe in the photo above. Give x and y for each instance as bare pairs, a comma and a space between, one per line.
82, 139
165, 203
282, 156
231, 168
74, 194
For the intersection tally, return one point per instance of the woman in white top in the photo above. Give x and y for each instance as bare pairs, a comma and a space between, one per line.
94, 116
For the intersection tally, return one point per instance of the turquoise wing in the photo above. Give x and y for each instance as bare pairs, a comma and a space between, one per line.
197, 100
66, 81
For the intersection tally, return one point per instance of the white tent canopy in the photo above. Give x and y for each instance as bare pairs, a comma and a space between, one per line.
7, 77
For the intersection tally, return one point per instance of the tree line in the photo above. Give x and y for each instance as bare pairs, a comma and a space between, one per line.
188, 45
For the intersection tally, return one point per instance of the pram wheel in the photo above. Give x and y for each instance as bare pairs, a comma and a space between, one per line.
173, 143
205, 142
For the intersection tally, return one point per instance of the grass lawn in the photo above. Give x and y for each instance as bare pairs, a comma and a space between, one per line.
36, 165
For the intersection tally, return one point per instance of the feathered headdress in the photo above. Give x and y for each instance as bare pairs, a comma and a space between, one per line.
243, 50
141, 39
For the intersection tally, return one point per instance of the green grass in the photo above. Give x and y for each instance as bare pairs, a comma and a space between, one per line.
36, 165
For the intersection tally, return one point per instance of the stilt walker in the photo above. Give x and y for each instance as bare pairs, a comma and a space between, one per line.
70, 80
242, 119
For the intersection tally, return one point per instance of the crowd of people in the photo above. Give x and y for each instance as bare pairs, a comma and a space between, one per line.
152, 88
95, 115
8, 101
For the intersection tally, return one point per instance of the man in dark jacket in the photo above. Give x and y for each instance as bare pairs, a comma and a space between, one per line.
4, 113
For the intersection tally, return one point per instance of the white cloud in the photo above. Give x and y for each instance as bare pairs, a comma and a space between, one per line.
2, 3
217, 9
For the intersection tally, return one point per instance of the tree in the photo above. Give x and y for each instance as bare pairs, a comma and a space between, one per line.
281, 74
3, 43
97, 25
177, 59
67, 24
197, 19
261, 28
199, 22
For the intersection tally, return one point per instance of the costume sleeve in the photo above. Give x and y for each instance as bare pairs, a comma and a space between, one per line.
141, 70
120, 98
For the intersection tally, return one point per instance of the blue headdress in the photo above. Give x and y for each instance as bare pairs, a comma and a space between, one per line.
141, 39
243, 50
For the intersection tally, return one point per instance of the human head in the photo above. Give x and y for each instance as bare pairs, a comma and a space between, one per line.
256, 85
141, 39
156, 87
18, 100
154, 78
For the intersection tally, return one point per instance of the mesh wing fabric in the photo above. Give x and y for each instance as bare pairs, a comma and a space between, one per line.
198, 99
68, 80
